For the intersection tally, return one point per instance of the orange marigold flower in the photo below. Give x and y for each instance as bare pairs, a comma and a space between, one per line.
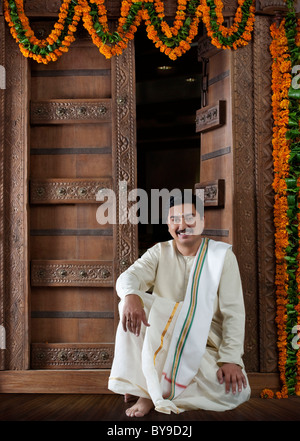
267, 393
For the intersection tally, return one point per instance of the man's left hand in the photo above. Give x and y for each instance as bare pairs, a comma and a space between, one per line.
232, 374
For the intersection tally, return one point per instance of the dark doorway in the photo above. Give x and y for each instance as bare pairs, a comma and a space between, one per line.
168, 149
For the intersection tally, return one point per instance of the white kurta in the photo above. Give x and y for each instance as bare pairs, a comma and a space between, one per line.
164, 270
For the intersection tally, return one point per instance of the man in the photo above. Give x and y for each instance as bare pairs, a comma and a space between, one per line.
181, 347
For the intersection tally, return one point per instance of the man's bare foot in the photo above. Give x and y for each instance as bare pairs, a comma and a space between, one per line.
141, 408
128, 398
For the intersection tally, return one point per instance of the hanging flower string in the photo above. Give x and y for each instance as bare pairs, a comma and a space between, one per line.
56, 43
239, 34
96, 22
297, 308
281, 80
293, 134
285, 51
297, 41
173, 40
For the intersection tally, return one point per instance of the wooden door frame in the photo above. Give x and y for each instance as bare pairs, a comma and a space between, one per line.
16, 375
253, 216
14, 205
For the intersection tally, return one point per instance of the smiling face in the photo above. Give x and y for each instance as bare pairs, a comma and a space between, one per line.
185, 224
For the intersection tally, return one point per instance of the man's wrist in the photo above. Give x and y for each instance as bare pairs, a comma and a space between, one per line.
141, 300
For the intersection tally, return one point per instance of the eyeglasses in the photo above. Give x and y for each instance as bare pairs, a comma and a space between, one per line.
188, 218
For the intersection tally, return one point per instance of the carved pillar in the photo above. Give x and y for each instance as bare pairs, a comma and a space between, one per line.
271, 7
254, 197
264, 193
124, 157
14, 169
244, 201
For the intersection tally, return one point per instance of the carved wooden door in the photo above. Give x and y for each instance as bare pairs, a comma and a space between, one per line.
82, 139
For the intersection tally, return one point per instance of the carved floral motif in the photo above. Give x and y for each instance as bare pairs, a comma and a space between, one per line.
71, 274
67, 191
51, 356
67, 111
125, 155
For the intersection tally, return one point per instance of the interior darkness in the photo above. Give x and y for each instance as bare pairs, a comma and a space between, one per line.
168, 148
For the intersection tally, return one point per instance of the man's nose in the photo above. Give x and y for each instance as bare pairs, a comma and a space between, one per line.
183, 224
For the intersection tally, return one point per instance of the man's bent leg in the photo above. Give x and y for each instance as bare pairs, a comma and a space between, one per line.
205, 391
126, 375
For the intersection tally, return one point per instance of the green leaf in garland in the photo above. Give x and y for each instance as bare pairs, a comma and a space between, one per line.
35, 48
294, 93
292, 134
291, 183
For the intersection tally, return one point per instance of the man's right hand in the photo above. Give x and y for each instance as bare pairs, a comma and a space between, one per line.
133, 314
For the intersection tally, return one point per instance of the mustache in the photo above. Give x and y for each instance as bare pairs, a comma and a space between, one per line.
185, 231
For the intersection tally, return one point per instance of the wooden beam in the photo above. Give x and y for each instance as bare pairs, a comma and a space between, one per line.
50, 8
93, 381
55, 381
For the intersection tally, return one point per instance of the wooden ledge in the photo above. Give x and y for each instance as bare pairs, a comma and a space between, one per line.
92, 381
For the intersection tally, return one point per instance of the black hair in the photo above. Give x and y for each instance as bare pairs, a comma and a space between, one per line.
189, 198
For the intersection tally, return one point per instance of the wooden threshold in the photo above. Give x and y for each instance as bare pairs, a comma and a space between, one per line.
93, 381
85, 381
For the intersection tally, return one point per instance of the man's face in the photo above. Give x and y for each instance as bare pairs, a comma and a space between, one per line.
185, 224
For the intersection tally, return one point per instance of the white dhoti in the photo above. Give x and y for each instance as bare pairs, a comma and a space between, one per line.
147, 365
132, 363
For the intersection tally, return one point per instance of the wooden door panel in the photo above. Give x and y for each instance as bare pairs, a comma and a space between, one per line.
59, 327
74, 138
89, 166
80, 87
63, 148
70, 136
74, 75
71, 216
72, 298
70, 166
59, 247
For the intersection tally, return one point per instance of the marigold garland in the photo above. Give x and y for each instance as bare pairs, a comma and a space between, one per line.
239, 34
285, 53
297, 389
281, 152
174, 40
55, 44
